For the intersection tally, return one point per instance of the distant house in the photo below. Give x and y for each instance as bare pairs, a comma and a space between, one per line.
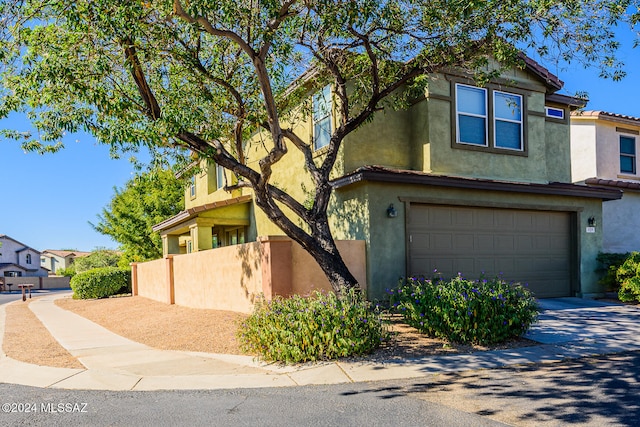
54, 260
604, 153
18, 259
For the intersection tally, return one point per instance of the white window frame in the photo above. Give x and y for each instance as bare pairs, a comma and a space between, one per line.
320, 119
496, 119
219, 176
548, 110
192, 187
485, 116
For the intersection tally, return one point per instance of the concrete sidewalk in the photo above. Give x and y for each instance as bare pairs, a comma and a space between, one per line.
568, 328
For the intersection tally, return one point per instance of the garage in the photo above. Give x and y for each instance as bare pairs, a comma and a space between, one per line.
526, 246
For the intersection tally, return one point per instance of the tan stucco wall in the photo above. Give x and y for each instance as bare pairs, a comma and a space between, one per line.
152, 280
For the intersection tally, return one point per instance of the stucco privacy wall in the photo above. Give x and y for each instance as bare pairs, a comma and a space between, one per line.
233, 277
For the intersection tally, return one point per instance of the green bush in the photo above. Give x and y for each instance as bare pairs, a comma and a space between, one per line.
323, 326
101, 282
66, 272
608, 269
459, 310
628, 276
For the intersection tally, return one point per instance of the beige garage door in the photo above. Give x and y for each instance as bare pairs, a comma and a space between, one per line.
530, 247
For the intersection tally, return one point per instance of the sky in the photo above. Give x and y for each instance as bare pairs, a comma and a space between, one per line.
49, 200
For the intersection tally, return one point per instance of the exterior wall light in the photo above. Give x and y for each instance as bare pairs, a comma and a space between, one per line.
391, 211
591, 221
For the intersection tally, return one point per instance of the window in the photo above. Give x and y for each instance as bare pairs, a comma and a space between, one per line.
322, 118
189, 246
497, 124
555, 113
219, 176
627, 155
192, 187
28, 258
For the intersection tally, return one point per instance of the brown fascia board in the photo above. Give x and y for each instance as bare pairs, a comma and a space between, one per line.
547, 76
377, 174
571, 101
192, 212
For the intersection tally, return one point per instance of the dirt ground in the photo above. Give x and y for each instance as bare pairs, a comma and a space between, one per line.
172, 327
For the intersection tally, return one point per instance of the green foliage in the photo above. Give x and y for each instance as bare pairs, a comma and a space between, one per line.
147, 199
608, 269
459, 310
323, 326
101, 283
628, 276
97, 259
66, 272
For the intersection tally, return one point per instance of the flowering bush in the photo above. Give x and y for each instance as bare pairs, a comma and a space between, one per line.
323, 326
479, 312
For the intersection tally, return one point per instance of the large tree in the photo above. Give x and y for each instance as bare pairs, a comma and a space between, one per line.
205, 75
146, 200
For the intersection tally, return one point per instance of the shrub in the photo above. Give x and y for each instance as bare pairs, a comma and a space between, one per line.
608, 269
480, 312
323, 326
101, 282
66, 272
628, 276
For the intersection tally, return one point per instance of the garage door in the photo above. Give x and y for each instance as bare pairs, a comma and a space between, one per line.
526, 246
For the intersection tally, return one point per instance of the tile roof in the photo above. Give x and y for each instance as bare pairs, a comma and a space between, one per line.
606, 115
625, 185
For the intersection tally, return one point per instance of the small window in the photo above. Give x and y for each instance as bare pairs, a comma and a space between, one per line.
192, 187
28, 258
627, 155
322, 118
219, 177
555, 113
189, 246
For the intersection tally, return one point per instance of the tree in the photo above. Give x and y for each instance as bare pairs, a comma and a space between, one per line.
99, 258
146, 200
206, 75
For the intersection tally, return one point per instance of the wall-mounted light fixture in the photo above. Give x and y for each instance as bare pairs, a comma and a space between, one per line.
591, 221
391, 211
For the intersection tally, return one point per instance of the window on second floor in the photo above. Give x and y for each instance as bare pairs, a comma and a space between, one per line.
627, 155
489, 118
322, 118
28, 258
219, 177
192, 187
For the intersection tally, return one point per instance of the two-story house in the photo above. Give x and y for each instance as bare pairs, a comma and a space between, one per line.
604, 150
54, 260
18, 259
469, 179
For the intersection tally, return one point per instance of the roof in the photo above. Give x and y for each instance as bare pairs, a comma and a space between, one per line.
193, 212
399, 176
547, 76
604, 115
4, 236
4, 265
64, 254
612, 183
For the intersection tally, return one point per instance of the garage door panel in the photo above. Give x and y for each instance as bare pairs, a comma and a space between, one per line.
528, 246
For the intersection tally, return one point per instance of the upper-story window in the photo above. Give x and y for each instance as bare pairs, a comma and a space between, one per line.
627, 155
219, 176
192, 187
489, 118
322, 118
28, 258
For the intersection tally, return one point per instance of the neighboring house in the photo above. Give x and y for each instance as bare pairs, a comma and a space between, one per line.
54, 260
18, 259
468, 179
604, 154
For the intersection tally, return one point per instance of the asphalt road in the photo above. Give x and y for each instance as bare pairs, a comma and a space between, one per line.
597, 391
14, 295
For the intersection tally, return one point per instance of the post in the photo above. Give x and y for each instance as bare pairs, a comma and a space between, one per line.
171, 294
134, 278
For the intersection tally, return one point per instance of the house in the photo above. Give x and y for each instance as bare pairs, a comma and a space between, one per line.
54, 260
604, 149
18, 259
469, 179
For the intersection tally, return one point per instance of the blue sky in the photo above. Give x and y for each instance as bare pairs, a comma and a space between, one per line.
48, 201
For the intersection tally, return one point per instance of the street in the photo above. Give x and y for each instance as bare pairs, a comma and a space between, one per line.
593, 391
